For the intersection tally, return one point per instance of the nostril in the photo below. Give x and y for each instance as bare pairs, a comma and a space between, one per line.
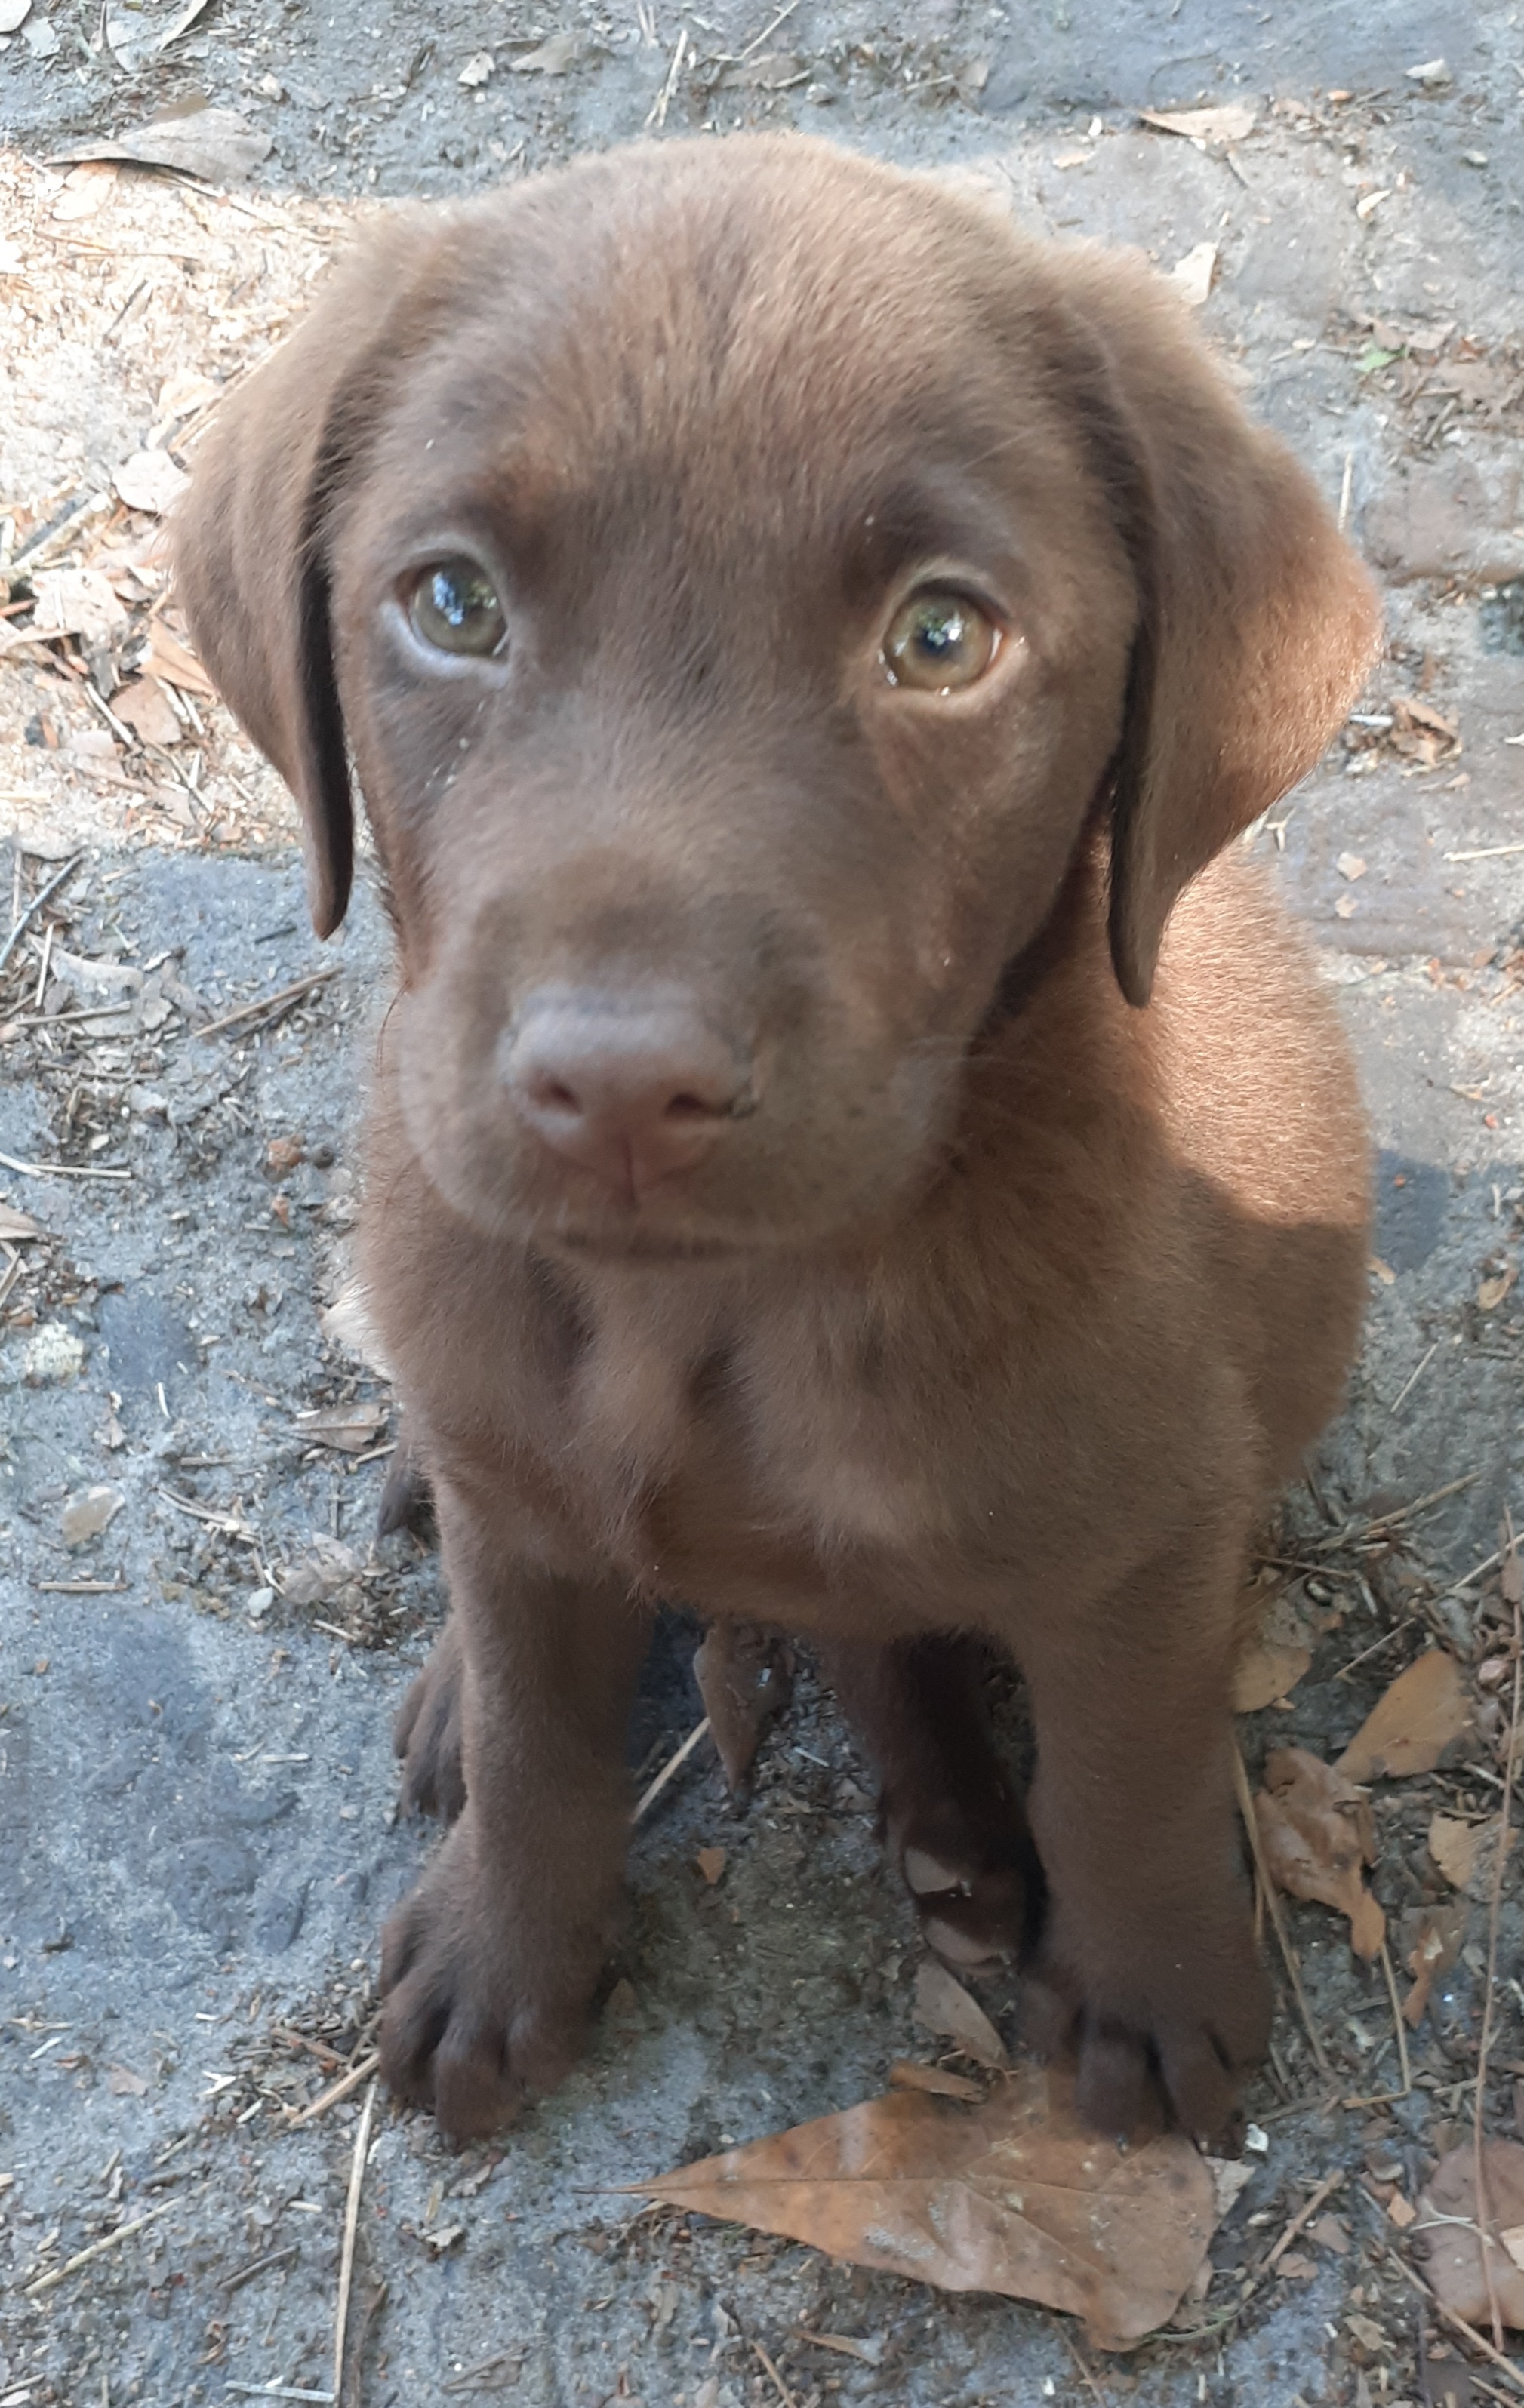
555, 1094
693, 1108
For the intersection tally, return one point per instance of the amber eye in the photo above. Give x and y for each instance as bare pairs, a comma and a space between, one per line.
939, 640
454, 606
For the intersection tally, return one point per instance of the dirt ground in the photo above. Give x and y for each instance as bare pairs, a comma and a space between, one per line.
200, 1645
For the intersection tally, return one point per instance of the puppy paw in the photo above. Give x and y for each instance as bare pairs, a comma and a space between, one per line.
482, 2013
973, 1877
1188, 2018
426, 1734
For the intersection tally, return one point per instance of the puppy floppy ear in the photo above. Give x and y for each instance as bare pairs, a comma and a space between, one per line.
1256, 625
250, 544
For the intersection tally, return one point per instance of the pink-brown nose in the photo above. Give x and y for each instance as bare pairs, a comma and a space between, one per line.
634, 1094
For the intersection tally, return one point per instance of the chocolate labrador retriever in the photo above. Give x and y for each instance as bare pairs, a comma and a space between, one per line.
851, 1149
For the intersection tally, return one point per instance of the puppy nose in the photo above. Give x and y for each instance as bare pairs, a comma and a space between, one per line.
633, 1092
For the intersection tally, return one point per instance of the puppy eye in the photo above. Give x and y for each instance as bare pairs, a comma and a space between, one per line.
454, 607
939, 640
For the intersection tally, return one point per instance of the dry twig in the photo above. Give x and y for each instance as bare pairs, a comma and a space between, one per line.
1457, 2324
1500, 1858
97, 2249
270, 1003
337, 2090
654, 1789
351, 2219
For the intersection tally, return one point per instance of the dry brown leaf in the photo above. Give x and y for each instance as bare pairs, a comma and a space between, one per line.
1438, 1939
166, 657
150, 482
1192, 277
710, 1863
16, 1227
1268, 1673
1227, 124
1466, 1853
348, 1428
1448, 2220
906, 2074
123, 2083
216, 144
944, 2006
1016, 2196
1421, 1715
148, 711
1316, 1834
1493, 1289
745, 1677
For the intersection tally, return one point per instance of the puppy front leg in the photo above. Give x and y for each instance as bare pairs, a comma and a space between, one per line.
950, 1816
489, 1965
1147, 1961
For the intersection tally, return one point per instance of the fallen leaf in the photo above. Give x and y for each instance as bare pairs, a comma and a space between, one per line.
1349, 865
1230, 2179
552, 58
1266, 1673
323, 1577
121, 2081
216, 144
1492, 1290
76, 602
772, 72
283, 1153
710, 1863
1449, 2219
145, 708
16, 1227
85, 1517
1466, 1853
166, 657
1330, 2231
1295, 2267
944, 2006
906, 2074
1433, 74
1016, 2196
745, 1677
444, 2236
1316, 1834
479, 69
150, 481
1192, 275
1401, 2210
1423, 1712
348, 1428
135, 41
1368, 205
1229, 124
83, 193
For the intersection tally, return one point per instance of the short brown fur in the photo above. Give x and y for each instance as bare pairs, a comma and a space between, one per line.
1035, 1261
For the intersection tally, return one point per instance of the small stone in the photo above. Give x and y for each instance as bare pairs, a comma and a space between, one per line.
260, 1602
89, 1512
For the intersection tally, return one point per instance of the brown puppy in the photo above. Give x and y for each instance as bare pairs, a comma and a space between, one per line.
848, 1154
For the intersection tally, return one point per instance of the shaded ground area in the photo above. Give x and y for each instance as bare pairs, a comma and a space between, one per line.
196, 1836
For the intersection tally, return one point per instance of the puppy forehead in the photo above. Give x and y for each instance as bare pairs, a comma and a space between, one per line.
750, 320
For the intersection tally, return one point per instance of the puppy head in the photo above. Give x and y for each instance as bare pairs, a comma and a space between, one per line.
747, 580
